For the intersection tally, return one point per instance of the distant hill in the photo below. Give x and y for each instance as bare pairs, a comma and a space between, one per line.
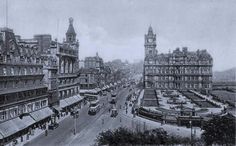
225, 76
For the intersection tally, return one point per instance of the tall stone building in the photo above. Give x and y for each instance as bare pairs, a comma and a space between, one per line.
60, 68
88, 78
181, 69
67, 58
94, 62
23, 95
48, 49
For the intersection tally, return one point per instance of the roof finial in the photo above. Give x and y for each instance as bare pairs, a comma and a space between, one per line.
71, 20
150, 31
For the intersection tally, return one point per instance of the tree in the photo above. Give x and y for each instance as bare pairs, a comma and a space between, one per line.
123, 136
220, 130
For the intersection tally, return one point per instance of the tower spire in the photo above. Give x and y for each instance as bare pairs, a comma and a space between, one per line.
70, 34
150, 30
150, 43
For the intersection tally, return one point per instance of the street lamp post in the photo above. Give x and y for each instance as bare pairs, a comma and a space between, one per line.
75, 126
75, 116
191, 137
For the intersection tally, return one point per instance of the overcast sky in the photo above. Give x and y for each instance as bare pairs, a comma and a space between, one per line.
116, 28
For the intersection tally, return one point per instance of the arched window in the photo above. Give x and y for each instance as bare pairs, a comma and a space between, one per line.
62, 66
25, 71
4, 71
12, 71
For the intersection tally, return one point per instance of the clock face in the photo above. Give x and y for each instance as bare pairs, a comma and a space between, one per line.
150, 40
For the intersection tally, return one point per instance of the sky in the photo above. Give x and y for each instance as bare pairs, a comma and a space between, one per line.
115, 28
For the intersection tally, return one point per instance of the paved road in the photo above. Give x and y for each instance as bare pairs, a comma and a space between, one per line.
63, 135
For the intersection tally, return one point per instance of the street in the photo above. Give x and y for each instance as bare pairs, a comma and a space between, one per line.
63, 135
88, 127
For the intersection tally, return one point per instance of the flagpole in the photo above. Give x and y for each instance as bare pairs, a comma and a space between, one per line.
6, 13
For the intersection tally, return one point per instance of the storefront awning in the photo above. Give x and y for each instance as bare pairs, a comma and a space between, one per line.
104, 88
25, 122
93, 91
69, 100
41, 114
77, 98
8, 128
56, 107
63, 103
90, 95
15, 125
97, 89
83, 91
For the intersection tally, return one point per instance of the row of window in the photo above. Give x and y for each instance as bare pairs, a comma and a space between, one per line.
67, 81
188, 78
184, 62
22, 59
20, 84
202, 70
8, 71
68, 92
20, 96
66, 67
186, 85
18, 110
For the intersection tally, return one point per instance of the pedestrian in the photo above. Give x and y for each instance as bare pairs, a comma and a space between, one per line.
46, 132
109, 110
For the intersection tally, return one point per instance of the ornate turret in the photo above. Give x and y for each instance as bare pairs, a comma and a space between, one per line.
150, 31
150, 43
70, 34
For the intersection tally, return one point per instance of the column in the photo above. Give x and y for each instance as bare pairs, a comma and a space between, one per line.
71, 67
66, 66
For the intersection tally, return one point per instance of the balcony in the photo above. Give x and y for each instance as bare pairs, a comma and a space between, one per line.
68, 52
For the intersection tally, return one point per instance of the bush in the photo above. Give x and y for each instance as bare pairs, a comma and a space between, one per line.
220, 130
123, 136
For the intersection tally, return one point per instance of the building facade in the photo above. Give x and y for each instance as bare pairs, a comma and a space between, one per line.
88, 78
23, 94
181, 69
94, 62
67, 58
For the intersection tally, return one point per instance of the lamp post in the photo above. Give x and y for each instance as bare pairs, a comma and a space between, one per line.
75, 116
191, 137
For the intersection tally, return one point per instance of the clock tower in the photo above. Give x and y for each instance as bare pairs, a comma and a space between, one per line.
150, 43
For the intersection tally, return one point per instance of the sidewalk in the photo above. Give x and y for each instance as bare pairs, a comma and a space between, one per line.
36, 133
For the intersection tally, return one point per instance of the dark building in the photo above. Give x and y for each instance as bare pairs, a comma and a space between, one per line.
88, 78
23, 95
44, 42
94, 62
181, 69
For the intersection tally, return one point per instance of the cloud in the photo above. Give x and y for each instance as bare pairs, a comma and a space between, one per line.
116, 28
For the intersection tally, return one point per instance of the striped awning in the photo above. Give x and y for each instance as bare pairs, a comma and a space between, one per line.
15, 125
63, 103
41, 114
